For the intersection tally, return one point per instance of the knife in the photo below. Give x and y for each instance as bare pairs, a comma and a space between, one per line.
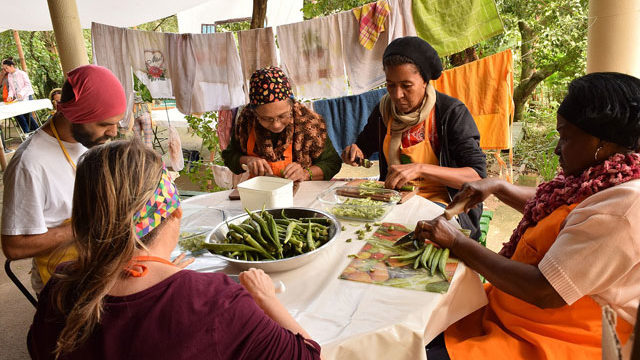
449, 214
279, 285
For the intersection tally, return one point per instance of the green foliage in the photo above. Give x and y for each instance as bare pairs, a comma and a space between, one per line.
168, 24
234, 27
142, 89
201, 173
315, 8
536, 150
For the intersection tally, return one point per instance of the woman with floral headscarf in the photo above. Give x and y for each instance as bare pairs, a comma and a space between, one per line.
277, 135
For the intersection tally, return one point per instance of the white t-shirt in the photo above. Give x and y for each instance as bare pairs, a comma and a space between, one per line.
38, 187
597, 253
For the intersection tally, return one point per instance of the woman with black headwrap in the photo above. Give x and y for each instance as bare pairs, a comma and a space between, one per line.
577, 247
422, 136
277, 135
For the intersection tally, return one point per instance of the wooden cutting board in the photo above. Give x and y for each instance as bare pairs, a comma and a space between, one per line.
404, 195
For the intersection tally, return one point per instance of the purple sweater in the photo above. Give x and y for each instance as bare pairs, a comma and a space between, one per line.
189, 315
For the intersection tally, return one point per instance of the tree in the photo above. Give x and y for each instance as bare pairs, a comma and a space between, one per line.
259, 14
314, 8
551, 36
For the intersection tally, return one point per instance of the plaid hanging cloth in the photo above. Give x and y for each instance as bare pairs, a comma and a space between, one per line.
372, 18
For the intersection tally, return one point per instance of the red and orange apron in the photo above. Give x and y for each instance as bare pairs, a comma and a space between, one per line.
422, 153
278, 166
510, 328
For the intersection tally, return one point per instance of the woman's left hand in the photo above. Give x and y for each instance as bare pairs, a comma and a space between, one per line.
438, 230
399, 175
181, 262
295, 172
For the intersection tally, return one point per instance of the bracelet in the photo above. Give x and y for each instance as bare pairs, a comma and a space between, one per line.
310, 174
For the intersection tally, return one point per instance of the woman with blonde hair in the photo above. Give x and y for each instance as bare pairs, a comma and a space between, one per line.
124, 299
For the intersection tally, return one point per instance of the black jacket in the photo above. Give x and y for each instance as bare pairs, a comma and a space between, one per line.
459, 147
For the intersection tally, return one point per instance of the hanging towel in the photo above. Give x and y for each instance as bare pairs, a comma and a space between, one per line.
372, 18
311, 54
346, 116
183, 69
149, 58
452, 26
110, 50
364, 67
400, 19
257, 50
485, 86
225, 126
218, 81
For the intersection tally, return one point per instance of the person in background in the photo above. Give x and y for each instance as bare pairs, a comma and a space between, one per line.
423, 137
124, 299
577, 247
54, 97
19, 89
38, 181
277, 135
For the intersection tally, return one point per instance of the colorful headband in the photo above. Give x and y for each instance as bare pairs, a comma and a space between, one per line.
165, 200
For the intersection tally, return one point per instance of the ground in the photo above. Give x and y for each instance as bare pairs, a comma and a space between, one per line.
16, 313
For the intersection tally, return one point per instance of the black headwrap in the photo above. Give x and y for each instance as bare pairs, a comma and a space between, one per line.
420, 52
605, 105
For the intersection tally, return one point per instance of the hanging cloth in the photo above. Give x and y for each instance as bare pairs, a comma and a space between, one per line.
257, 51
149, 58
372, 18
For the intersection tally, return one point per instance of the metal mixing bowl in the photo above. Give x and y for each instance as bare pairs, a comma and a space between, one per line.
218, 235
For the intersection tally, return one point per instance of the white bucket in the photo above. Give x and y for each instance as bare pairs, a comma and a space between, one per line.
270, 192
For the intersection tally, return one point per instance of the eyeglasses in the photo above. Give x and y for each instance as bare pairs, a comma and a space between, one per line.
282, 118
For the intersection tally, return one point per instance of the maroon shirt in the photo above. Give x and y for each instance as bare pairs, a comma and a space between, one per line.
189, 315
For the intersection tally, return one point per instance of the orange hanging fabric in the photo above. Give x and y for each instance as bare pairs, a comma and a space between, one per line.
516, 329
277, 167
485, 86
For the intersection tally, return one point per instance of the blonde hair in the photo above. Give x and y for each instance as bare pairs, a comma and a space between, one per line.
113, 182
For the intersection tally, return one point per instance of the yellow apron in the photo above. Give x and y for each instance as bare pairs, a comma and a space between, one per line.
46, 264
277, 167
510, 328
422, 153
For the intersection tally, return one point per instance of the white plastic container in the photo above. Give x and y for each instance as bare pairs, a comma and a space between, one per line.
268, 191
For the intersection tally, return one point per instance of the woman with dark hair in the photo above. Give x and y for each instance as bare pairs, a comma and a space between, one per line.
19, 89
277, 135
124, 299
421, 135
577, 247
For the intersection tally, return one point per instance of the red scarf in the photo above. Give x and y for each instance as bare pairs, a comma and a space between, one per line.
562, 190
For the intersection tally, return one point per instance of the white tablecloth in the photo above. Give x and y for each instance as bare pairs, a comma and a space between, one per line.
352, 320
23, 107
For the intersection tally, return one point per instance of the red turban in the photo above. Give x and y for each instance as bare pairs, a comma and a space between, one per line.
98, 95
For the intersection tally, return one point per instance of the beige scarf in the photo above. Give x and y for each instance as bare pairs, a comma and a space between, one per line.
401, 122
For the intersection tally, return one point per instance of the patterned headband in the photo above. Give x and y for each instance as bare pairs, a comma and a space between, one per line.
165, 200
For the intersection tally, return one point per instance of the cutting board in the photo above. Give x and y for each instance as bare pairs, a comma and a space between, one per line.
404, 195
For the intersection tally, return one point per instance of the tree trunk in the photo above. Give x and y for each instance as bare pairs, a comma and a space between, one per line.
523, 91
465, 56
259, 14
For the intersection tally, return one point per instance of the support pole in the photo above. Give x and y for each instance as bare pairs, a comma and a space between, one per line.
16, 37
614, 35
68, 32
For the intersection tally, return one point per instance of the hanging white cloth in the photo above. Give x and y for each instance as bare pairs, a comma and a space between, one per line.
257, 50
401, 19
311, 54
149, 58
110, 50
364, 67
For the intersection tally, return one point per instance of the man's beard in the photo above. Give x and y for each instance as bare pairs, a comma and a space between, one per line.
85, 138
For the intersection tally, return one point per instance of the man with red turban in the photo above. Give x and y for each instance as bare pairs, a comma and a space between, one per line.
39, 180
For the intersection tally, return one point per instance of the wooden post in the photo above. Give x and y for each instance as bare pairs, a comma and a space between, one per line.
613, 37
68, 32
16, 37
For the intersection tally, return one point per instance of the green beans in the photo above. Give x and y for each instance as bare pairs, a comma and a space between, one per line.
263, 237
365, 208
428, 257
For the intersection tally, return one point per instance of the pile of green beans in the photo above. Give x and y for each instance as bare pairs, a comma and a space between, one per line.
263, 237
366, 209
373, 184
429, 257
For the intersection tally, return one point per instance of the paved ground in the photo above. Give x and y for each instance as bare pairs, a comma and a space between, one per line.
16, 313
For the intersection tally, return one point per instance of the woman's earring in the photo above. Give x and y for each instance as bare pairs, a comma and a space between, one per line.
595, 157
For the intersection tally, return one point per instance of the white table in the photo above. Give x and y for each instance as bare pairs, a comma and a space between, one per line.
18, 108
353, 320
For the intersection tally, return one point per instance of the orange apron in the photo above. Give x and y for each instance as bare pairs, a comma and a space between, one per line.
510, 328
278, 166
422, 153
